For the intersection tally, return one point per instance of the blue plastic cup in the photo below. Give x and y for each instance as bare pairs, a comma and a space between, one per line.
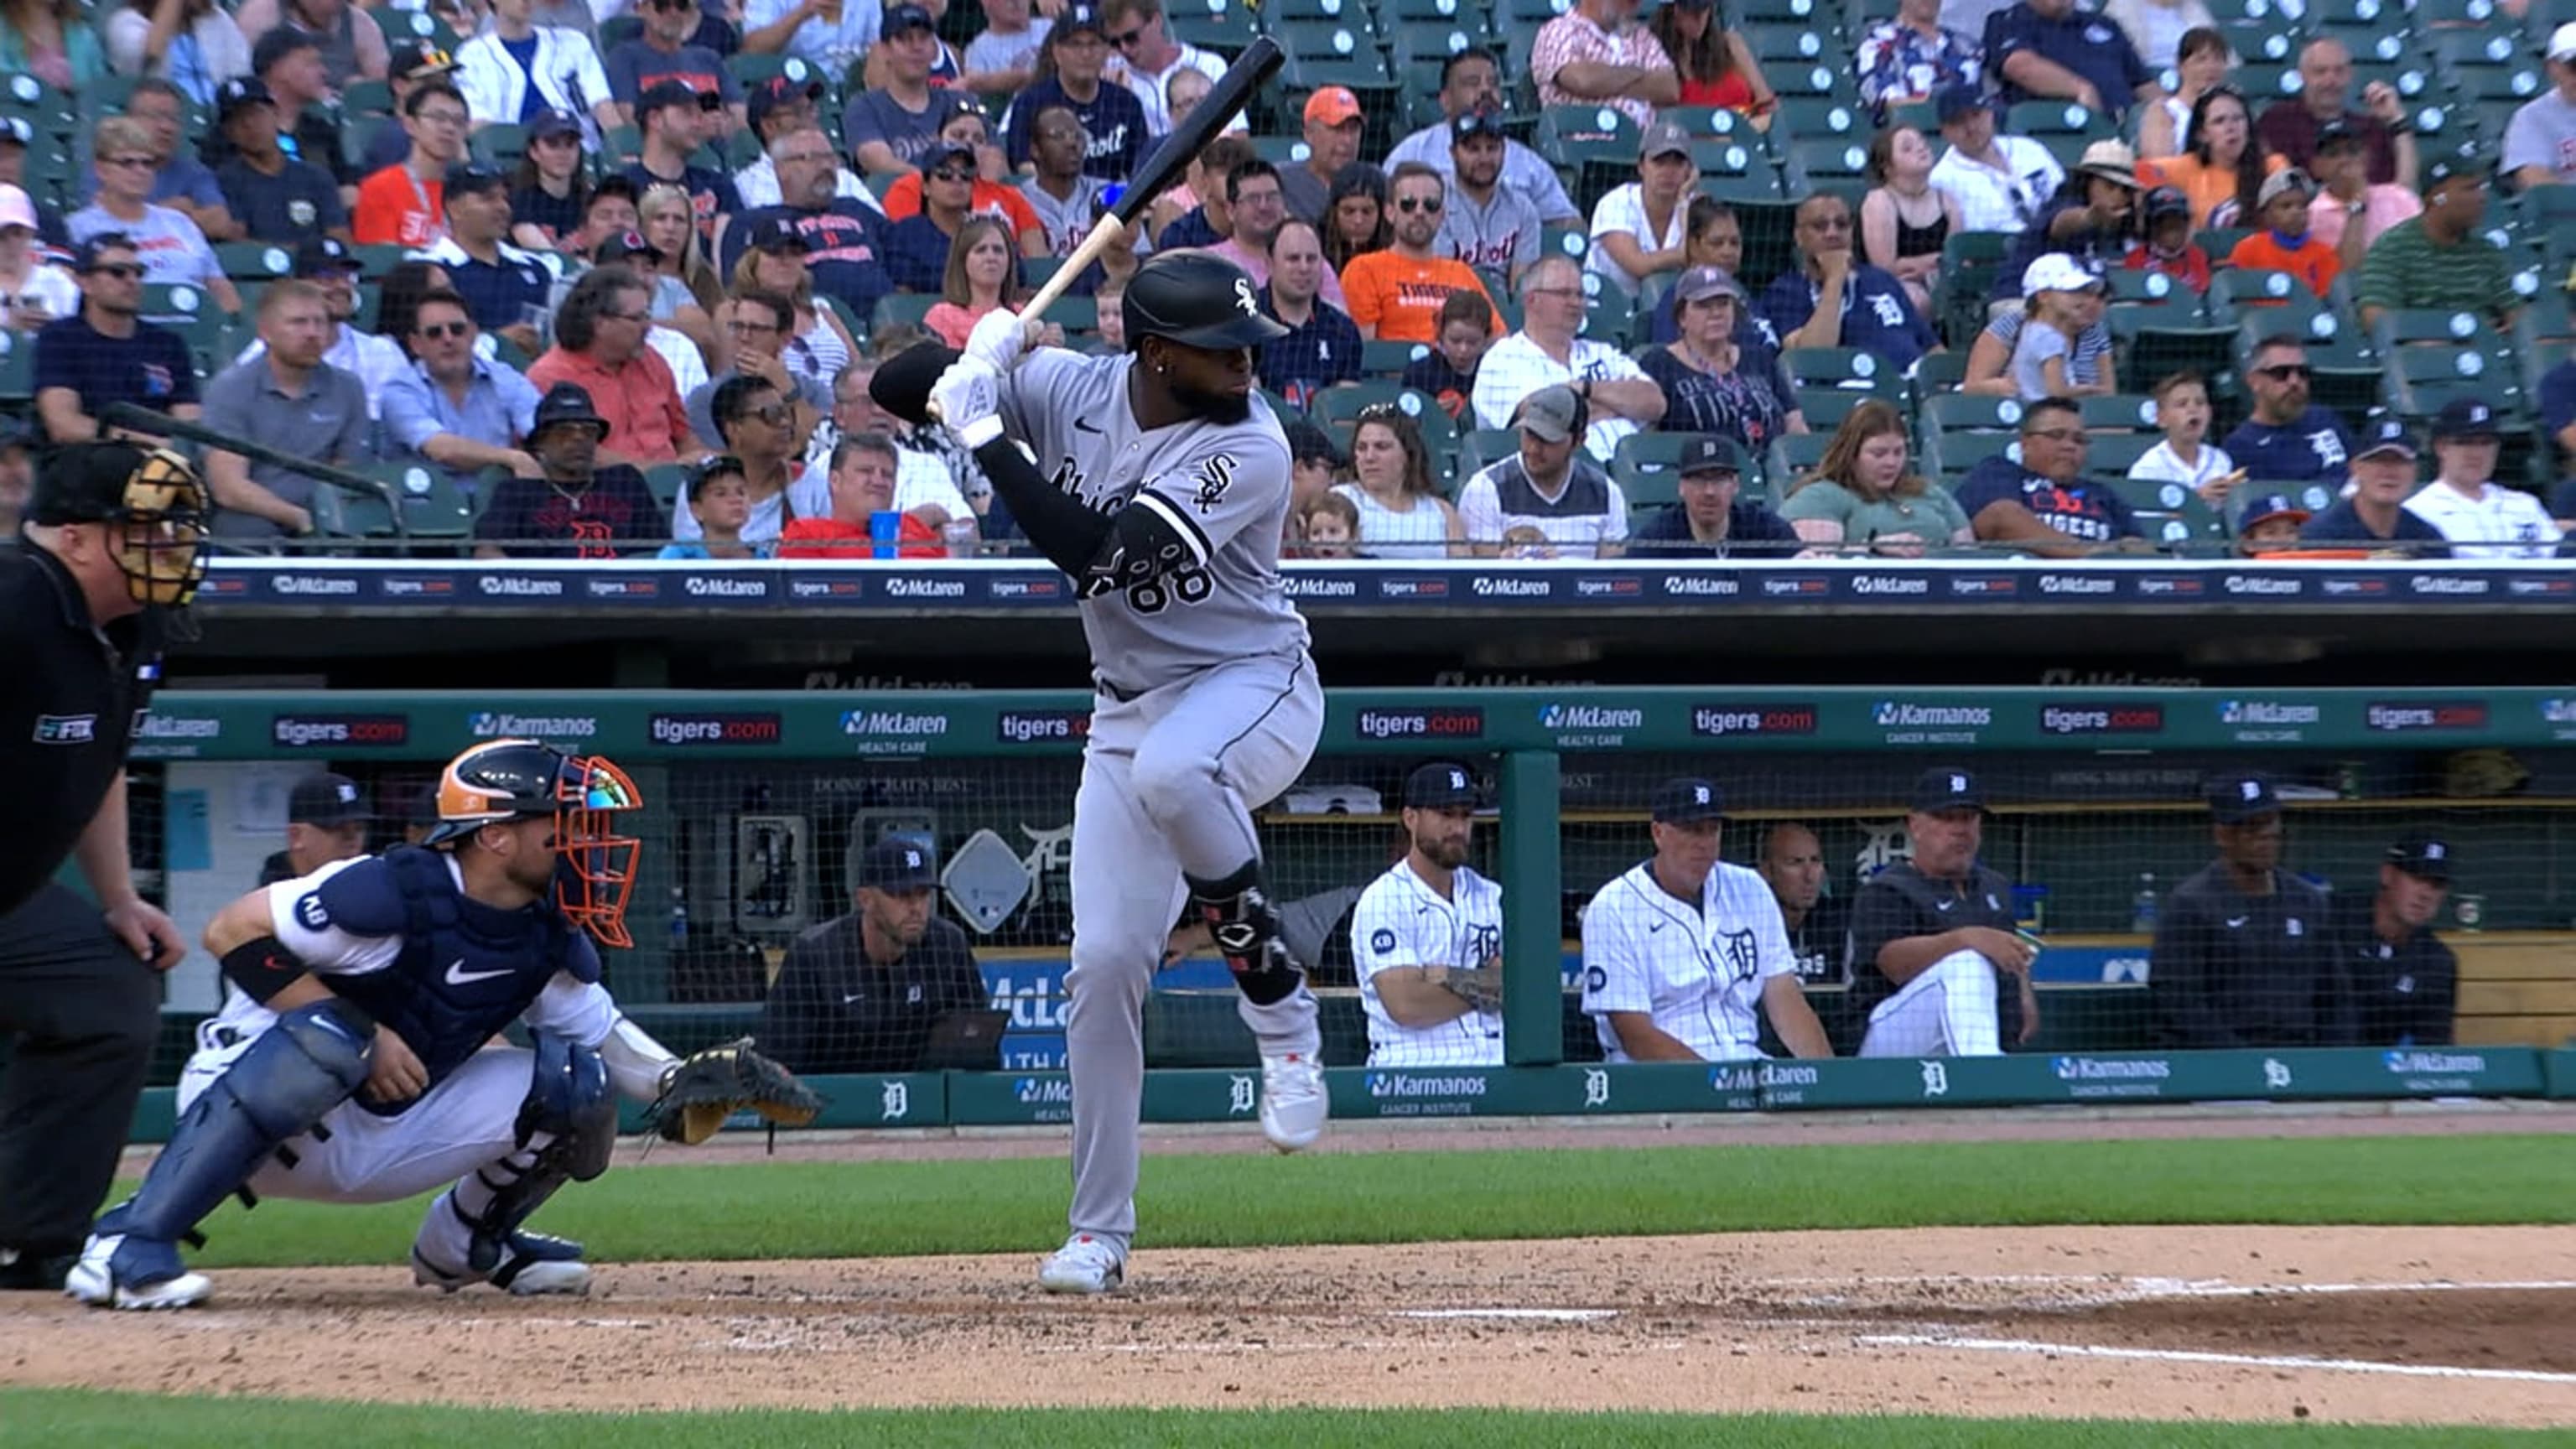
884, 530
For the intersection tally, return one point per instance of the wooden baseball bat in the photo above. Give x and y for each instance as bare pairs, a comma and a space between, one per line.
1161, 169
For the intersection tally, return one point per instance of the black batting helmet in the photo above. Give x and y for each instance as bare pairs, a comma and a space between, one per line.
1196, 299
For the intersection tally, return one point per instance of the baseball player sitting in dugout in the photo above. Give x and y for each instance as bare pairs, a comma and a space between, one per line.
1933, 940
1427, 937
1678, 952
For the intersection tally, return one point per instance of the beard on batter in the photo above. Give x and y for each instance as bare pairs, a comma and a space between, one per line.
1216, 407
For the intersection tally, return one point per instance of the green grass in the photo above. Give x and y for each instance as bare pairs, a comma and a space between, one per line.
105, 1421
754, 1210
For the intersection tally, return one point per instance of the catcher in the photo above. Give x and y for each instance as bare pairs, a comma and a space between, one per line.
349, 1063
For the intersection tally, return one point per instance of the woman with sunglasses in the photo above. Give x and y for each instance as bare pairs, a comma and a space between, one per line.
1355, 219
821, 346
551, 187
1401, 516
1864, 498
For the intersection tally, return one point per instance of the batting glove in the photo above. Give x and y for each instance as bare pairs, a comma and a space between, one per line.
1002, 338
968, 397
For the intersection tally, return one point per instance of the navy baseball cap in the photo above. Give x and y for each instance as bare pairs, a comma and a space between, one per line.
897, 864
418, 60
1078, 16
778, 233
316, 255
1709, 453
238, 93
2459, 164
1958, 101
326, 800
2270, 505
2464, 417
471, 178
1441, 786
553, 122
86, 258
1945, 787
774, 92
945, 151
2423, 855
2388, 435
2235, 799
676, 93
900, 18
1688, 802
628, 244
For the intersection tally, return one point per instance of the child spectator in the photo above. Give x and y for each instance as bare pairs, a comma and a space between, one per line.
2285, 244
2271, 523
1462, 332
2186, 456
1331, 525
2057, 288
718, 496
2168, 247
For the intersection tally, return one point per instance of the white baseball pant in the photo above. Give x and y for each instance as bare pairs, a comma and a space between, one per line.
1948, 1011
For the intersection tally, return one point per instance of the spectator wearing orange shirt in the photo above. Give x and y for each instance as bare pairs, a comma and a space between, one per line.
599, 343
862, 475
405, 204
1396, 295
2285, 244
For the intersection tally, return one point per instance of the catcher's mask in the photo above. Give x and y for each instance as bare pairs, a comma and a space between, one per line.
506, 780
153, 506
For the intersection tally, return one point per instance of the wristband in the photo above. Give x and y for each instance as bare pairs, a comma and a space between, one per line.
979, 432
261, 967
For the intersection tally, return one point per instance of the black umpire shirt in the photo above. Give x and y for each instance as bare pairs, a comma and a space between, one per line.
2401, 995
834, 1010
1902, 901
2232, 970
69, 695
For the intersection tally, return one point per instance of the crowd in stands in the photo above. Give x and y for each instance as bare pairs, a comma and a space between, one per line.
609, 278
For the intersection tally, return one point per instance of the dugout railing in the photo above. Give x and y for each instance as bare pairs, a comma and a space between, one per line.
756, 800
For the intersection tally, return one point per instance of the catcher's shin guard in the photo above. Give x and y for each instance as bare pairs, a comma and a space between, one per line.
1246, 928
570, 1106
277, 1089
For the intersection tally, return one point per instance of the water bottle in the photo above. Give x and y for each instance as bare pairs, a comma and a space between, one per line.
2142, 911
679, 919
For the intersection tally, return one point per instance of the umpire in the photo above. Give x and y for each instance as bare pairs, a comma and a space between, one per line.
113, 544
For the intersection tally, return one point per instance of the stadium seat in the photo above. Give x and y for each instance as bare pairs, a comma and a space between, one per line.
1485, 446
666, 481
1846, 369
255, 261
1808, 118
2042, 119
1960, 412
1225, 29
2172, 515
1390, 359
1792, 45
1793, 456
1826, 160
1824, 408
2112, 455
500, 146
17, 368
1646, 466
2122, 412
901, 309
2419, 380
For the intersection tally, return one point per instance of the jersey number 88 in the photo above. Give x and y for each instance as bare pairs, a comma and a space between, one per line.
1153, 596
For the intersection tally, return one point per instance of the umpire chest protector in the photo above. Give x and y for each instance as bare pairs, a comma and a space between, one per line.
465, 969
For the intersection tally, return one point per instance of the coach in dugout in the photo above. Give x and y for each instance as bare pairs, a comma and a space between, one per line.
1427, 937
862, 992
2243, 955
115, 540
1678, 952
2404, 983
1936, 968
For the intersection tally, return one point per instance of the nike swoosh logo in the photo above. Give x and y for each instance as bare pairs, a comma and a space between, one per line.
2233, 922
1657, 926
854, 1000
1943, 905
1080, 426
457, 975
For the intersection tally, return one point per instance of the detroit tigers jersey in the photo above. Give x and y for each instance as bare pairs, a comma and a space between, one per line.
1401, 921
1698, 974
1222, 486
583, 1011
2507, 517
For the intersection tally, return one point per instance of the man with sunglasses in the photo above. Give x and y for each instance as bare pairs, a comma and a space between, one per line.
276, 197
517, 68
1831, 298
667, 50
107, 353
2044, 504
1146, 57
676, 120
113, 542
576, 506
170, 246
756, 425
892, 127
1396, 294
456, 409
2287, 439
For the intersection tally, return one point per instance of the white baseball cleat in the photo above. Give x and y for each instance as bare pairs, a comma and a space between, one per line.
93, 1281
1085, 1264
533, 1264
1293, 1105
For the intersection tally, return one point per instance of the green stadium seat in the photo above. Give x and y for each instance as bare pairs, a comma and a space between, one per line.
901, 308
1793, 456
1389, 359
1824, 408
1826, 159
666, 480
2112, 455
1712, 121
2126, 412
500, 146
1646, 466
1075, 314
1961, 412
2041, 119
1793, 45
1226, 29
2419, 380
17, 367
1847, 369
255, 261
2171, 514
1484, 446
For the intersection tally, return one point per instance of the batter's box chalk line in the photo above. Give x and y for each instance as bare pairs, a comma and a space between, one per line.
1543, 1315
2241, 1360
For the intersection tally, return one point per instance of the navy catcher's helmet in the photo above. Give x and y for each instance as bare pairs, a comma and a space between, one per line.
1196, 299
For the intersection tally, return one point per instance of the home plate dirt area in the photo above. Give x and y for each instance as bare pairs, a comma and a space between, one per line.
2395, 1325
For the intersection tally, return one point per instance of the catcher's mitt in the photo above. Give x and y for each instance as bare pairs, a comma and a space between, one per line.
705, 1089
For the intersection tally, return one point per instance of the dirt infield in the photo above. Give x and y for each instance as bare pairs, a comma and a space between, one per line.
2378, 1325
2396, 1325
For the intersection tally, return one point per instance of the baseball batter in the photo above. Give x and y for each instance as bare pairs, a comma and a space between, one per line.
1428, 937
1680, 952
349, 1063
1160, 485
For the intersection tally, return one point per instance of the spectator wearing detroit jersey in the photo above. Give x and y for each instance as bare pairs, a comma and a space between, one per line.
2287, 439
1710, 384
1070, 74
1427, 936
1485, 223
1683, 953
1396, 295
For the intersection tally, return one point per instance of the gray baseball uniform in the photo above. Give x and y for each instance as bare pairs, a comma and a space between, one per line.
1207, 706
